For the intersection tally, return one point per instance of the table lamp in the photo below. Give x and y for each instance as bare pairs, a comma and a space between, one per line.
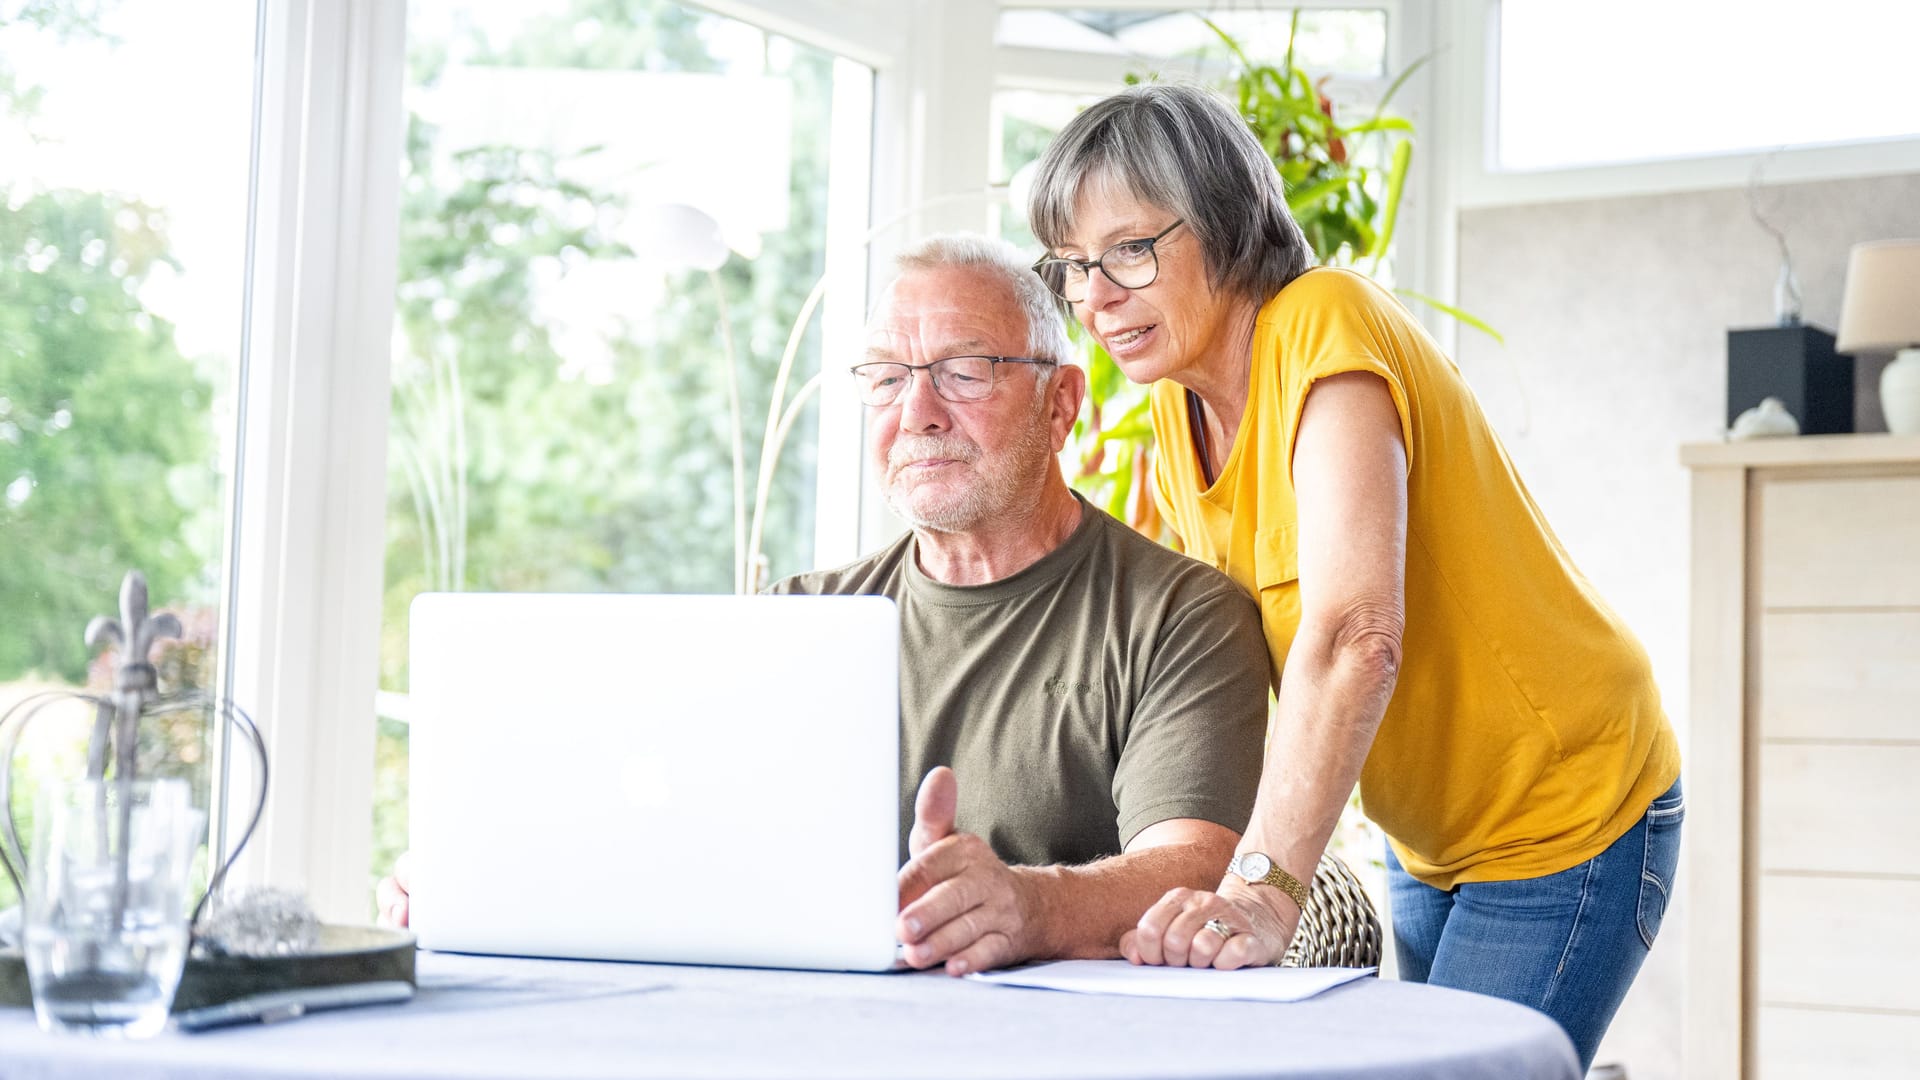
1881, 313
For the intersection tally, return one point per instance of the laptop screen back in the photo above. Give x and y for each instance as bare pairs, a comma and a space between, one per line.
681, 779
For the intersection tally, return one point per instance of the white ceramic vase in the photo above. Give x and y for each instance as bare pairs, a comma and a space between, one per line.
1900, 393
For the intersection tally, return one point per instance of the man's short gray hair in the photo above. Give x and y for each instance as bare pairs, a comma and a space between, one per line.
1180, 148
1046, 333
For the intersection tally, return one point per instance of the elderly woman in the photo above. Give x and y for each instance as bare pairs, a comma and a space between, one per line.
1430, 636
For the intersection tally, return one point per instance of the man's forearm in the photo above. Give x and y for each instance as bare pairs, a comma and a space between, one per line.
1079, 912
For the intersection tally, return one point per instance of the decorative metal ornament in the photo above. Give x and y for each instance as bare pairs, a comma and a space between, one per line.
113, 745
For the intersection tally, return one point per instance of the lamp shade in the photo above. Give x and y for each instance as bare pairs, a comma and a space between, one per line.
1881, 310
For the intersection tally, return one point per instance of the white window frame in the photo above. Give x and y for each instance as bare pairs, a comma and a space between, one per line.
311, 468
1473, 30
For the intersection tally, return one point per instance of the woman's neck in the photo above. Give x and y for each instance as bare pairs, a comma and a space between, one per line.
1220, 374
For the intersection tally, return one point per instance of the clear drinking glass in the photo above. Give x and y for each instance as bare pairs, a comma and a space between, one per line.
106, 905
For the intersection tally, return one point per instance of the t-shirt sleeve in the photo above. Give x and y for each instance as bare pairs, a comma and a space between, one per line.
1194, 744
1333, 322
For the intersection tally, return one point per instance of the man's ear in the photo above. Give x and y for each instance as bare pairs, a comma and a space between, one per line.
1064, 397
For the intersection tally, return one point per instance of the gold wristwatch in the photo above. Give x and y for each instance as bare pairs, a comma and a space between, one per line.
1256, 868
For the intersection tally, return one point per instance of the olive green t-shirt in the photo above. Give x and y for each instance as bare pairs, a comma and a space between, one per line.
1109, 686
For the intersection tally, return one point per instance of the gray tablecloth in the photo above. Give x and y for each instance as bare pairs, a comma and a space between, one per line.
494, 1017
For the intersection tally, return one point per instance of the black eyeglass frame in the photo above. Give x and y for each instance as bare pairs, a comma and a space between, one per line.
939, 387
1087, 268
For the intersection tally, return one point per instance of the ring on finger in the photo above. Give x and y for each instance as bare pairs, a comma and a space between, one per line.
1218, 926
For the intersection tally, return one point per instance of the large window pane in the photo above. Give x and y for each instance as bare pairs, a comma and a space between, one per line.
1637, 80
600, 204
124, 150
1024, 123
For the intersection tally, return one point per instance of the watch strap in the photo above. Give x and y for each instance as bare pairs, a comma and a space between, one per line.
1279, 879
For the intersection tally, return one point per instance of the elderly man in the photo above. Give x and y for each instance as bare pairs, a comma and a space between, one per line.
1087, 707
1099, 699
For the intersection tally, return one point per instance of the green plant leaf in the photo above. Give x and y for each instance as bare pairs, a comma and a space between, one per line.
1396, 185
1104, 377
1137, 424
1386, 123
1310, 197
1393, 87
1122, 482
1233, 46
1293, 34
1455, 313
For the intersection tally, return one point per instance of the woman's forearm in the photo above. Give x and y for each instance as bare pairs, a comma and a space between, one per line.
1350, 483
1333, 693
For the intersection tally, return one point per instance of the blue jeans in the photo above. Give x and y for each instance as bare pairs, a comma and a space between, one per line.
1568, 944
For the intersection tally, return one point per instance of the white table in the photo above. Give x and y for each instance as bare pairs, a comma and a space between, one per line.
484, 1017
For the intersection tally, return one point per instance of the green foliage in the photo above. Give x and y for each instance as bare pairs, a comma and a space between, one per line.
58, 20
1110, 453
1346, 208
612, 35
107, 458
104, 442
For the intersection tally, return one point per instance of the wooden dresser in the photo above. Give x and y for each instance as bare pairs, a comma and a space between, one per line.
1801, 857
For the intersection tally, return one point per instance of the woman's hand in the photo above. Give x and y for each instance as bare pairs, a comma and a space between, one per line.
1174, 932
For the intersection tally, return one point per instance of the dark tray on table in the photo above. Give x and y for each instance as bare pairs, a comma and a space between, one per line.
345, 954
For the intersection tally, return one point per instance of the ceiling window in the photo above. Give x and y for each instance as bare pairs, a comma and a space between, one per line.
1334, 41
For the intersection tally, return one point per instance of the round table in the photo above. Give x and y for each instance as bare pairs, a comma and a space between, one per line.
483, 1017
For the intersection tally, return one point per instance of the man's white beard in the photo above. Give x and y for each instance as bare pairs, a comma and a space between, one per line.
1006, 492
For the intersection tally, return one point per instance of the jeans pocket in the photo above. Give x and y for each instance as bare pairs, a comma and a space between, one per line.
1659, 860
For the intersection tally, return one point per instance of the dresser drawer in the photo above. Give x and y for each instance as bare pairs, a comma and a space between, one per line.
1852, 809
1837, 941
1840, 674
1839, 542
1812, 1044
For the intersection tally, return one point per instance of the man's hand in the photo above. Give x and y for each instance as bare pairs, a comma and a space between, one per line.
959, 904
392, 893
1173, 932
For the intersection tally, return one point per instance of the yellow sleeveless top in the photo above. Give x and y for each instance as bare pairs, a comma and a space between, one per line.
1525, 733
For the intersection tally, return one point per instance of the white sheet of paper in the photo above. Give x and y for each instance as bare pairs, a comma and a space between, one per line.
1120, 977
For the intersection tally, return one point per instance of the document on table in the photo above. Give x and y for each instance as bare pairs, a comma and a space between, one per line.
1203, 984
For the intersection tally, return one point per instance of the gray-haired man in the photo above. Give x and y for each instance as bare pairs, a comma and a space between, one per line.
1099, 699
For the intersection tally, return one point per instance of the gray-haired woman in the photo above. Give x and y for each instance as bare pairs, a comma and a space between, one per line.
1429, 635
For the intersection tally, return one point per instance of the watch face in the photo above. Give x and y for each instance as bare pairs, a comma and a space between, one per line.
1254, 866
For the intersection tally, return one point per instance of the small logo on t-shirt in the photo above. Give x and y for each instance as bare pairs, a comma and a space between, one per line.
1061, 687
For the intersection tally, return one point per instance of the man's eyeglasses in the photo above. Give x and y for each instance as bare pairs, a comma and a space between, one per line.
956, 378
1130, 264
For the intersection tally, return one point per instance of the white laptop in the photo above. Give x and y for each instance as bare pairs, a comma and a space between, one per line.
678, 779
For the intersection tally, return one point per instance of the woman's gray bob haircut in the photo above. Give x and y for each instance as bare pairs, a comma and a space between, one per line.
1184, 150
1046, 334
